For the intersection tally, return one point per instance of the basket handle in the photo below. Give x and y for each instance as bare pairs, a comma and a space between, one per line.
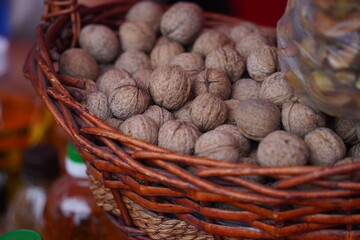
55, 8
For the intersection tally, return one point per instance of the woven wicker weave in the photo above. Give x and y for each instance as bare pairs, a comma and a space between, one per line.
143, 189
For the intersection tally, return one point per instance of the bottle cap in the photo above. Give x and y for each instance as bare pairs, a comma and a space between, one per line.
41, 161
21, 234
74, 163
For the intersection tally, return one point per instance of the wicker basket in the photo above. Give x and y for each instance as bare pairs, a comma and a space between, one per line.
143, 189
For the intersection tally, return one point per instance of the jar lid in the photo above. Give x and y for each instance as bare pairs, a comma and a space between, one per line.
74, 164
21, 234
41, 161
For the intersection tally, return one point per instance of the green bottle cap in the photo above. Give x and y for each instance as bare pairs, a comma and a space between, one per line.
21, 234
73, 153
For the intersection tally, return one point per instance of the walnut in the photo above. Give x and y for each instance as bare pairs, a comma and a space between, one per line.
111, 79
162, 54
158, 114
143, 75
133, 61
129, 99
262, 62
217, 144
97, 103
182, 22
141, 127
249, 43
354, 151
301, 119
243, 142
114, 122
226, 59
169, 86
346, 129
78, 63
212, 81
208, 41
145, 11
281, 148
208, 111
137, 36
184, 113
238, 32
276, 89
245, 88
326, 147
192, 63
100, 41
178, 136
232, 104
256, 118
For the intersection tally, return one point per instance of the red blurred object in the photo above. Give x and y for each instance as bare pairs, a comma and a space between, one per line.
262, 12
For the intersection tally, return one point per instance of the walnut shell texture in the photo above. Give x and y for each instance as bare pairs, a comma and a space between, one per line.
145, 11
162, 54
133, 61
137, 36
228, 60
326, 147
212, 81
97, 103
281, 148
249, 43
182, 22
141, 127
243, 142
158, 114
169, 86
111, 79
346, 129
178, 136
192, 63
210, 40
276, 89
184, 113
208, 111
245, 88
232, 104
217, 144
262, 62
256, 118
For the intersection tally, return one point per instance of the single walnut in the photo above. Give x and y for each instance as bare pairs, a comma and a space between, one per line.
133, 61
256, 118
145, 11
262, 62
98, 104
228, 60
141, 127
137, 36
114, 122
143, 75
162, 54
129, 99
184, 113
100, 41
192, 63
178, 136
354, 151
326, 147
276, 89
301, 119
212, 81
111, 79
158, 114
78, 63
238, 32
249, 43
346, 129
281, 148
169, 86
219, 145
208, 111
243, 142
232, 104
210, 40
245, 88
182, 22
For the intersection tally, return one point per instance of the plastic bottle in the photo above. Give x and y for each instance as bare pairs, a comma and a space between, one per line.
39, 171
71, 212
21, 234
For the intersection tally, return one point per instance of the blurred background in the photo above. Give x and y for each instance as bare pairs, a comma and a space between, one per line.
24, 121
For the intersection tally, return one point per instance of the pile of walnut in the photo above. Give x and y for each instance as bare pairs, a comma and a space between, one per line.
215, 93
